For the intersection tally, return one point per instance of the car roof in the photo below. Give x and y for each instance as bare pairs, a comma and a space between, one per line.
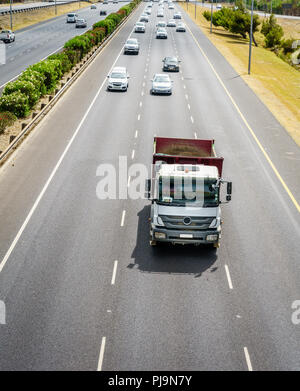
119, 69
161, 74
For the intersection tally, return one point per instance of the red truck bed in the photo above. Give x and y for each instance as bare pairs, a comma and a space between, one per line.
186, 151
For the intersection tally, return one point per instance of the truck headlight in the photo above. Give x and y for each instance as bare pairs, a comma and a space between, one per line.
215, 223
160, 235
211, 238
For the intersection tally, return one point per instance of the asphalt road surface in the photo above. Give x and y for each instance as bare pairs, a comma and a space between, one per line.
83, 289
37, 42
31, 5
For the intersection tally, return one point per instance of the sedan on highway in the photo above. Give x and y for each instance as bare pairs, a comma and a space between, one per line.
161, 33
103, 12
132, 46
93, 7
80, 23
162, 24
161, 84
144, 18
139, 27
177, 15
160, 14
171, 64
171, 7
72, 17
181, 27
118, 79
171, 23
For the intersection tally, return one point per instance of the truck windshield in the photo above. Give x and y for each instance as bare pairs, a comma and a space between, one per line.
181, 192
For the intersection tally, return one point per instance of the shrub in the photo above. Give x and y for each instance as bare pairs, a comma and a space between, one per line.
16, 102
115, 17
66, 64
223, 18
286, 45
206, 15
272, 31
100, 24
73, 55
36, 78
26, 87
6, 119
51, 70
81, 43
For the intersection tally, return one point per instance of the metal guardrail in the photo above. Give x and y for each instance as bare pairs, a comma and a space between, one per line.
53, 99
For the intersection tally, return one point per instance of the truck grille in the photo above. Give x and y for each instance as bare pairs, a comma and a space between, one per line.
196, 222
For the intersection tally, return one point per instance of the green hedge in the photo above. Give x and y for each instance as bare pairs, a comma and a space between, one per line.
16, 103
26, 87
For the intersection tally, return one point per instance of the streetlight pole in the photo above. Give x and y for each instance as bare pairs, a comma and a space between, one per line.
195, 10
250, 38
55, 8
211, 15
10, 11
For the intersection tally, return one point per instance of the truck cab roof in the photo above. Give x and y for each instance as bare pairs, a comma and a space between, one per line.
186, 170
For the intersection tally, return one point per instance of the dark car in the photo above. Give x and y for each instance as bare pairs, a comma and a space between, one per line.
103, 12
171, 64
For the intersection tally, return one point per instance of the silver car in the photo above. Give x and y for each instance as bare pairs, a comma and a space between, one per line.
161, 33
181, 27
118, 79
161, 84
171, 23
132, 46
140, 27
81, 23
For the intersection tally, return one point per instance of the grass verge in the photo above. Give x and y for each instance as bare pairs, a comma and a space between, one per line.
274, 81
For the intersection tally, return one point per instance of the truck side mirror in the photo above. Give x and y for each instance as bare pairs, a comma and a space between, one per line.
228, 198
229, 188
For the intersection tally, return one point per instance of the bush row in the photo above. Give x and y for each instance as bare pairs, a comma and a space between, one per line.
20, 96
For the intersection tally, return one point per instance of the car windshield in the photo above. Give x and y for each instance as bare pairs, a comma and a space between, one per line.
71, 15
131, 41
118, 75
140, 24
80, 20
181, 192
161, 78
161, 30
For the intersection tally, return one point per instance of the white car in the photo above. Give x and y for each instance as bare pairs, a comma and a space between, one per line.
144, 18
132, 46
181, 27
162, 24
160, 14
140, 27
7, 36
161, 84
177, 15
118, 79
171, 23
219, 6
171, 7
161, 33
71, 18
93, 7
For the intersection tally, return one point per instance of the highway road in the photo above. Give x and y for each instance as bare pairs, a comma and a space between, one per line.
31, 5
83, 289
37, 42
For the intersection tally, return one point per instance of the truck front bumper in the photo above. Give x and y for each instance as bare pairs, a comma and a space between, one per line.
185, 237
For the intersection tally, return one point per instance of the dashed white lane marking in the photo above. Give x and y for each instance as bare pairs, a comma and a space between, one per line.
132, 154
123, 218
142, 93
143, 84
189, 107
128, 182
184, 86
101, 355
141, 104
192, 119
228, 277
113, 278
139, 117
136, 134
195, 134
186, 97
144, 76
248, 361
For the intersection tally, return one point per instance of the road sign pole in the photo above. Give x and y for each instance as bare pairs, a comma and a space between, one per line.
250, 38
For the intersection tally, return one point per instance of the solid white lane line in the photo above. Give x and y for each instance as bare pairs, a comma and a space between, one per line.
248, 361
40, 196
101, 355
228, 277
139, 117
132, 155
136, 134
128, 182
195, 134
123, 218
192, 119
113, 278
